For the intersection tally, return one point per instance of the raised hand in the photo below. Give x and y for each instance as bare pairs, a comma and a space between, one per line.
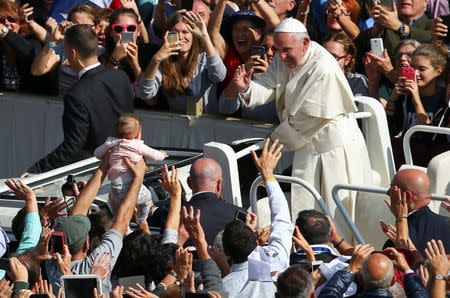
42, 246
130, 4
268, 159
170, 183
397, 258
25, 11
141, 292
435, 253
20, 189
439, 30
132, 54
102, 265
251, 220
183, 263
64, 261
242, 78
446, 204
360, 253
53, 209
6, 288
167, 50
300, 242
195, 24
389, 230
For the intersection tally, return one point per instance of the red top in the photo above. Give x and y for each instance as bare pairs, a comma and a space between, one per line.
115, 4
231, 60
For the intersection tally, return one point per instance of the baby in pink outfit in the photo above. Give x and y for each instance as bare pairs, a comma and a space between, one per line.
128, 144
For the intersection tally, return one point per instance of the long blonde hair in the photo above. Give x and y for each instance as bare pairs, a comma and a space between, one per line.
176, 76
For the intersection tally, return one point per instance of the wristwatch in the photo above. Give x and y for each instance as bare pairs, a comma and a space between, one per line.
440, 277
402, 31
4, 31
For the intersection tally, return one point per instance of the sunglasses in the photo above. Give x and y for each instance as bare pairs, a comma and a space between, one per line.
400, 54
118, 28
10, 20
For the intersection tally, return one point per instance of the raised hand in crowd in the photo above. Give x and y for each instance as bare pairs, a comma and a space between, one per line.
102, 265
52, 210
397, 258
197, 26
117, 292
171, 184
6, 288
446, 204
268, 159
191, 222
24, 294
58, 33
43, 287
42, 252
386, 18
439, 30
242, 79
183, 263
251, 220
301, 243
338, 241
257, 63
18, 271
263, 235
423, 274
64, 261
440, 267
143, 30
398, 203
140, 292
360, 253
389, 230
23, 191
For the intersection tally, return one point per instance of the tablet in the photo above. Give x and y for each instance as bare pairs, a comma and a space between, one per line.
80, 286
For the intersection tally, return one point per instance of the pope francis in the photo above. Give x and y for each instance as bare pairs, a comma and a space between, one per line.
315, 106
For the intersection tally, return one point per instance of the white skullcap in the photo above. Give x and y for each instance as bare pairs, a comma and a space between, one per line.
291, 25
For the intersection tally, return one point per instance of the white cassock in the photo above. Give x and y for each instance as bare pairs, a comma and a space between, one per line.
315, 105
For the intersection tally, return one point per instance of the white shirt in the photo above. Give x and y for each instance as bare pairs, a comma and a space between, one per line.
86, 69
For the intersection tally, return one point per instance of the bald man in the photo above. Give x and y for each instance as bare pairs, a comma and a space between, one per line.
378, 275
424, 225
205, 180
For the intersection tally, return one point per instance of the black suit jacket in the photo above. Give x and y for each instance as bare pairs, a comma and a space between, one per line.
215, 213
91, 108
425, 225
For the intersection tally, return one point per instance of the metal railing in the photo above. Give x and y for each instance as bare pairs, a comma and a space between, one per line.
363, 188
286, 179
419, 128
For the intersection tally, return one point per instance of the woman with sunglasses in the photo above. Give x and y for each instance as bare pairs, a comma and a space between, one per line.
343, 49
181, 69
124, 47
18, 47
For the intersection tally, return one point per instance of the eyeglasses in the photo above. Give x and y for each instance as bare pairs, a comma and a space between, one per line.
266, 48
400, 54
9, 18
338, 57
118, 28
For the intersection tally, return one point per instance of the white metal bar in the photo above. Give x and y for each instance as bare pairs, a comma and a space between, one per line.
361, 115
287, 179
250, 148
419, 128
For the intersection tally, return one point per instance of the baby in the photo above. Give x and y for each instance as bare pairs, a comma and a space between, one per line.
128, 144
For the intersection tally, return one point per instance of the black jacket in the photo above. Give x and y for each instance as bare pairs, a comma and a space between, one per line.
91, 108
215, 213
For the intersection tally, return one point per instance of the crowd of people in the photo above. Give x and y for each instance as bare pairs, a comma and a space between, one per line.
298, 64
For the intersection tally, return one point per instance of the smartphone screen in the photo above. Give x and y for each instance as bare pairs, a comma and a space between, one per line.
127, 37
446, 21
240, 215
258, 51
187, 4
131, 281
80, 286
407, 72
57, 242
173, 37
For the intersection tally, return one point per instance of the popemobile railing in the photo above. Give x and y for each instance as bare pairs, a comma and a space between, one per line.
419, 128
368, 189
286, 179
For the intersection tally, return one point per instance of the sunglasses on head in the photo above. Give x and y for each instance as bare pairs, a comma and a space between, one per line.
10, 20
118, 28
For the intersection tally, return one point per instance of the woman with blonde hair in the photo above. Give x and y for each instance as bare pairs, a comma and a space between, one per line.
184, 68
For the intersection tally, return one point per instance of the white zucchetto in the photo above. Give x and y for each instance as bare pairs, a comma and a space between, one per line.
291, 25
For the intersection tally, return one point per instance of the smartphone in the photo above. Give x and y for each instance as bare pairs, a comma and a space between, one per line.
407, 72
5, 264
387, 4
376, 45
131, 281
173, 37
127, 37
240, 215
76, 286
315, 265
187, 4
446, 21
57, 242
193, 251
258, 51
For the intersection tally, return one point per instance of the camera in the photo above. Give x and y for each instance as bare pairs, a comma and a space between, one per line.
67, 187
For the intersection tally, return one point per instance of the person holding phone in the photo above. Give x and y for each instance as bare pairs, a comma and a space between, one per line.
342, 16
424, 101
123, 42
186, 68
